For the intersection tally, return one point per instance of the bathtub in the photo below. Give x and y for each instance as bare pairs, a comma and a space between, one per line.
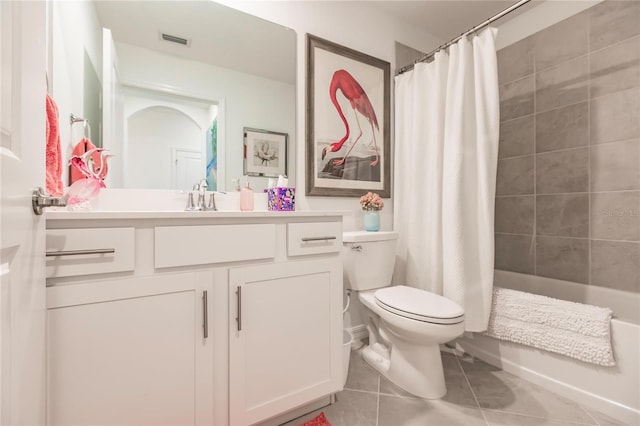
614, 391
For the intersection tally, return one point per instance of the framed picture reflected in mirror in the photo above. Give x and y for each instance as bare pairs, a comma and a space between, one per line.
265, 153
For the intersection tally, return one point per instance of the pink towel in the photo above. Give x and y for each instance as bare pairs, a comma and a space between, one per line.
53, 155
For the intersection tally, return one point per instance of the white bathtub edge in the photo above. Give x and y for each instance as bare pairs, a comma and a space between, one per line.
612, 408
623, 303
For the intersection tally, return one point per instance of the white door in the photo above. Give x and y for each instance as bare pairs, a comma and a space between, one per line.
22, 272
187, 168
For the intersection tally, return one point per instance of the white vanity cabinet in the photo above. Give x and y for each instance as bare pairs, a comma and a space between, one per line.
130, 351
127, 341
282, 346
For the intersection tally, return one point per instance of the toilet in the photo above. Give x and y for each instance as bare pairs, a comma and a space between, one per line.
406, 325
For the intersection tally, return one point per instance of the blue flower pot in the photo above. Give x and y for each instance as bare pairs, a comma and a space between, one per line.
371, 220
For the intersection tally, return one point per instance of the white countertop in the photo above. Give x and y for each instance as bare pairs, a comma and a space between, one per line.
123, 204
181, 214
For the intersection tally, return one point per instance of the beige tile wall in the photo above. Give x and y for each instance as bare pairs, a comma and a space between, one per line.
568, 190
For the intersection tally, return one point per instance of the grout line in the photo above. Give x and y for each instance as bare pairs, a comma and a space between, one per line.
589, 144
512, 234
394, 395
517, 156
515, 196
559, 64
575, 193
589, 86
563, 193
616, 92
616, 241
588, 99
609, 45
361, 391
569, 193
378, 401
517, 118
614, 141
534, 241
564, 421
475, 398
568, 238
592, 418
545, 194
554, 151
582, 101
562, 106
551, 236
617, 191
531, 74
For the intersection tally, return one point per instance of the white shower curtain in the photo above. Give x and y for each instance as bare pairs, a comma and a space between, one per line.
446, 146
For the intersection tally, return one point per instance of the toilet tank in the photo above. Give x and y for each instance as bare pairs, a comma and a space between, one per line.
368, 259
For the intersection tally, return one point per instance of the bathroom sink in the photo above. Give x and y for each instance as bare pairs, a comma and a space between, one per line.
161, 200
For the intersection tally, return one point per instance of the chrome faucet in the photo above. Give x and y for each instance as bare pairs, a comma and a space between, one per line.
202, 192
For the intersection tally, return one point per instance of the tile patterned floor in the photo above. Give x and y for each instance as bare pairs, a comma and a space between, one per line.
477, 394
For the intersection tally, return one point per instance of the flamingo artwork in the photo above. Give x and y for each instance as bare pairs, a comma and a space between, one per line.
359, 101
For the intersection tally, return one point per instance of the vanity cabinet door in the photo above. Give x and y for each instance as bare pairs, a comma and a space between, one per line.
130, 352
285, 336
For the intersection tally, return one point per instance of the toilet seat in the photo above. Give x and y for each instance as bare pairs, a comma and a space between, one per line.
417, 304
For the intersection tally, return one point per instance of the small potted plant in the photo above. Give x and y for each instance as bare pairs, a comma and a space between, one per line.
371, 203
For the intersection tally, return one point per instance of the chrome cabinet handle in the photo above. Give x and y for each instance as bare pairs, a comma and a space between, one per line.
356, 247
239, 317
79, 252
307, 239
205, 315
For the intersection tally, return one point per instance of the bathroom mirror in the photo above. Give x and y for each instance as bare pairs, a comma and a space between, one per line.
175, 79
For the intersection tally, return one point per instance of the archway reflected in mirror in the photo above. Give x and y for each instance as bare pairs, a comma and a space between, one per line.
235, 59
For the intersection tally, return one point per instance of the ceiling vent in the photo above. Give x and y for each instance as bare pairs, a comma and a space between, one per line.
175, 39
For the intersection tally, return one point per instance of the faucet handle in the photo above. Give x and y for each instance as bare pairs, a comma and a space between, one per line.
212, 202
191, 205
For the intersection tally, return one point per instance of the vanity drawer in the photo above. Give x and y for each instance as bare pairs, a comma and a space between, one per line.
201, 245
314, 238
89, 251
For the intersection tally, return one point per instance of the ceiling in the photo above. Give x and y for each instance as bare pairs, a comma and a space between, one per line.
446, 19
249, 44
218, 35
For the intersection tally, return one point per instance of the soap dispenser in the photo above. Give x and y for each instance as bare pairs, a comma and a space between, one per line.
246, 197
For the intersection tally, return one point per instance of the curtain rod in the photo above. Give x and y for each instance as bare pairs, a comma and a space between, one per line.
472, 30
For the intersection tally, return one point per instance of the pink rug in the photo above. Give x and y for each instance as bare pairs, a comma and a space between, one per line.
319, 420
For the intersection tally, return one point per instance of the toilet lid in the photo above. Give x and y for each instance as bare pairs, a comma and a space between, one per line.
419, 304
